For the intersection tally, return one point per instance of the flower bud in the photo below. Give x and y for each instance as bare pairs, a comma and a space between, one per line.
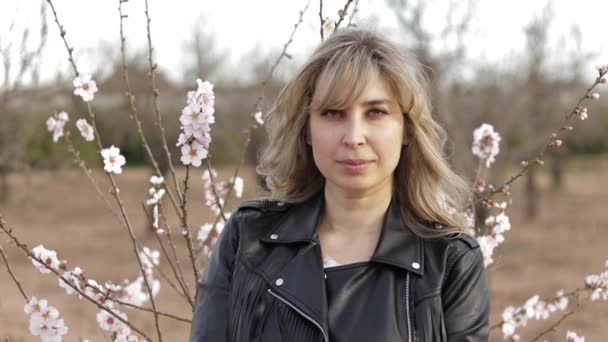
524, 163
602, 80
594, 96
553, 135
539, 162
556, 143
568, 128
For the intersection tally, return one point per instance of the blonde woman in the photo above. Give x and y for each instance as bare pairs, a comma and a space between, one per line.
362, 236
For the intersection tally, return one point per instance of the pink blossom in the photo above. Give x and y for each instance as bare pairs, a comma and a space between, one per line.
85, 87
486, 143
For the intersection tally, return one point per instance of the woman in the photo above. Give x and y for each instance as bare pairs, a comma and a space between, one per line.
362, 235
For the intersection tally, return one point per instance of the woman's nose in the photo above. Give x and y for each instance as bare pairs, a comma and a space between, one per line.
354, 132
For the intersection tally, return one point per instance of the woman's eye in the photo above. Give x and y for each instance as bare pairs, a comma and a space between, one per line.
332, 113
377, 112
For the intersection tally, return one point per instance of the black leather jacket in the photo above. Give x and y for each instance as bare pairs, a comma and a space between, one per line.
263, 283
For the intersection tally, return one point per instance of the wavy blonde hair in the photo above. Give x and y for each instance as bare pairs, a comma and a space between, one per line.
431, 196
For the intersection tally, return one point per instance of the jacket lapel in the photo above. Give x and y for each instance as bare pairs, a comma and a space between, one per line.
302, 280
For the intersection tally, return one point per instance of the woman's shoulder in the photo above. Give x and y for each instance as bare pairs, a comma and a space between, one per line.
255, 217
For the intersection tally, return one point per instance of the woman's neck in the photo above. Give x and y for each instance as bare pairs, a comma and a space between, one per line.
360, 214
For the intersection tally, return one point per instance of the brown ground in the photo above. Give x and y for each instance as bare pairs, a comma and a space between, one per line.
61, 211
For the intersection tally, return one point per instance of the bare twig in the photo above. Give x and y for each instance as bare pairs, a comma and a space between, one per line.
342, 14
177, 318
87, 173
352, 15
257, 104
322, 21
214, 190
175, 257
23, 247
186, 231
115, 190
538, 158
155, 92
182, 292
554, 325
10, 271
133, 107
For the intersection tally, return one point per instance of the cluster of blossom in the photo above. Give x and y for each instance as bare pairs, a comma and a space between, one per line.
135, 292
49, 257
571, 336
55, 124
112, 160
598, 283
534, 308
221, 189
497, 226
156, 194
119, 330
486, 143
196, 119
85, 87
45, 321
207, 236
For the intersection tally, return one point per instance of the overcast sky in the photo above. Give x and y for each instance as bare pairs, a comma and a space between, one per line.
240, 26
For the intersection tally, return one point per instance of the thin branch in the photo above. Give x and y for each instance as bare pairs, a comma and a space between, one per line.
10, 271
115, 189
187, 233
342, 14
538, 158
554, 325
321, 19
257, 104
214, 190
181, 292
133, 107
23, 247
352, 15
177, 318
155, 92
87, 172
175, 257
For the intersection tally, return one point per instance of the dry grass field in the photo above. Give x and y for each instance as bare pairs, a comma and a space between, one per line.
60, 210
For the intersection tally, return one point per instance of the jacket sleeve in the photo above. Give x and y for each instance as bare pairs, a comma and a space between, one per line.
466, 298
211, 309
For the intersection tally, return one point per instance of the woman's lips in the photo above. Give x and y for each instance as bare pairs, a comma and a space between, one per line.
355, 166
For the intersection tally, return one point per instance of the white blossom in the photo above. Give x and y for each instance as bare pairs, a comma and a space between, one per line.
193, 154
157, 180
238, 186
258, 118
85, 129
196, 118
44, 320
85, 87
110, 323
571, 336
486, 143
56, 123
203, 232
113, 160
74, 277
48, 257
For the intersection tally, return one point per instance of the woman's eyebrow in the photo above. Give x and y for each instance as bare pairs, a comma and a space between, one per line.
377, 102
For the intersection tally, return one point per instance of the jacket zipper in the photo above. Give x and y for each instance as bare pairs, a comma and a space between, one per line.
407, 307
325, 337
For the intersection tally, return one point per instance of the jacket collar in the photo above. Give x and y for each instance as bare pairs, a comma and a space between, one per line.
397, 246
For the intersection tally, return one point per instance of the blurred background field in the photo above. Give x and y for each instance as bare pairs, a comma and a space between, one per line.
520, 66
566, 242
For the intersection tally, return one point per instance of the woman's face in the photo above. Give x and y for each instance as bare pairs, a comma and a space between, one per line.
358, 148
